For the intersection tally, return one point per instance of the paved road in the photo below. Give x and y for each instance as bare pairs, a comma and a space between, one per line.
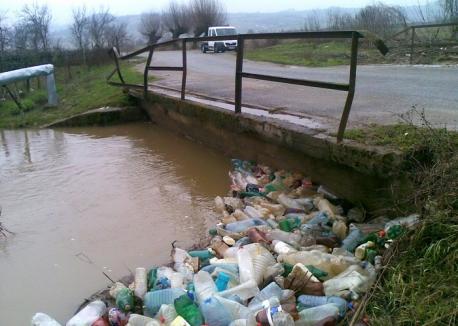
383, 91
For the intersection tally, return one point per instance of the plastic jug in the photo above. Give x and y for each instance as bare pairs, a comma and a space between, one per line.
187, 309
41, 319
235, 309
262, 259
310, 301
353, 239
311, 316
215, 314
204, 286
89, 314
166, 314
248, 287
355, 281
140, 282
155, 299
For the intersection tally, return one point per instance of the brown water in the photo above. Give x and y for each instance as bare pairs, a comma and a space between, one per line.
83, 201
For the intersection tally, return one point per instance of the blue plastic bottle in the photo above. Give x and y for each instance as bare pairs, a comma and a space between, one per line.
221, 281
310, 301
215, 313
154, 299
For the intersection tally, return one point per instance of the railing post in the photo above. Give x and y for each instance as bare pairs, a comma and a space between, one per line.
412, 41
351, 90
185, 71
145, 74
238, 75
116, 56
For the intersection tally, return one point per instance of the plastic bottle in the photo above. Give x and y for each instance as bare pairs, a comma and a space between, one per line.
252, 212
311, 316
289, 202
235, 309
151, 278
182, 263
116, 317
115, 288
331, 264
320, 218
409, 222
360, 251
265, 304
340, 229
219, 246
204, 286
125, 300
310, 301
324, 205
274, 316
41, 319
215, 314
155, 299
289, 224
88, 314
166, 314
179, 321
257, 236
187, 309
242, 226
272, 290
100, 322
139, 320
281, 247
219, 205
353, 239
290, 238
140, 282
352, 281
221, 281
201, 254
177, 281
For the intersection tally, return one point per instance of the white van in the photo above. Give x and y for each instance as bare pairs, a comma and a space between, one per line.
223, 45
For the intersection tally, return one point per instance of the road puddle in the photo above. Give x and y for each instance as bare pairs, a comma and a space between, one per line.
88, 201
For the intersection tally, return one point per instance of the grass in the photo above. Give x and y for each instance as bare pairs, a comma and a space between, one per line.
86, 90
420, 286
313, 54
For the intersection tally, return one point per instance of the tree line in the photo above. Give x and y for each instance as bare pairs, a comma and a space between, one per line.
382, 19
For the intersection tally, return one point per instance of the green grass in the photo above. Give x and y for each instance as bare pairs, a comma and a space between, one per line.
311, 54
402, 136
420, 286
86, 90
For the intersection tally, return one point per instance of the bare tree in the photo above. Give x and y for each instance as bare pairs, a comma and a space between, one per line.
37, 19
381, 19
206, 13
312, 22
97, 27
79, 29
5, 34
338, 20
177, 19
451, 11
20, 36
150, 26
117, 35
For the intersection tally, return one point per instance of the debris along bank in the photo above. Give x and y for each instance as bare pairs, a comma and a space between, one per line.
285, 252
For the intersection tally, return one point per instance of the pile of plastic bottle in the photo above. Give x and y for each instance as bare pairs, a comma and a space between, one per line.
285, 253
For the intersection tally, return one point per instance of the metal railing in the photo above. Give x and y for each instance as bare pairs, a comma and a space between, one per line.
240, 74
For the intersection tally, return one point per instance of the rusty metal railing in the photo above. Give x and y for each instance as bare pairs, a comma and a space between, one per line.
240, 74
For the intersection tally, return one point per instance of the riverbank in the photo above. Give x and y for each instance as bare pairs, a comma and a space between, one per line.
85, 90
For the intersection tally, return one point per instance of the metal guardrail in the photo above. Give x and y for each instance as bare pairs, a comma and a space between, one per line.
240, 74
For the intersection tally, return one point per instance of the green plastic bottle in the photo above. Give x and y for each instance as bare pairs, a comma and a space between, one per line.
125, 300
151, 277
318, 273
395, 231
288, 268
187, 309
289, 224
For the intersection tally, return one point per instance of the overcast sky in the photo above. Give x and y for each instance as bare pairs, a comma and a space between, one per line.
61, 9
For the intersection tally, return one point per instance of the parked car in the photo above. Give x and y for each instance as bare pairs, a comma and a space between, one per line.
223, 45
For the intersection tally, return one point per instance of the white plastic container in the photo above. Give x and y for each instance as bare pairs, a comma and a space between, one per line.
311, 316
88, 314
166, 314
139, 320
281, 247
204, 285
41, 319
140, 282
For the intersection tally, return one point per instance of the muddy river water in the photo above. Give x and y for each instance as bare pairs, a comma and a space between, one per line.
83, 201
